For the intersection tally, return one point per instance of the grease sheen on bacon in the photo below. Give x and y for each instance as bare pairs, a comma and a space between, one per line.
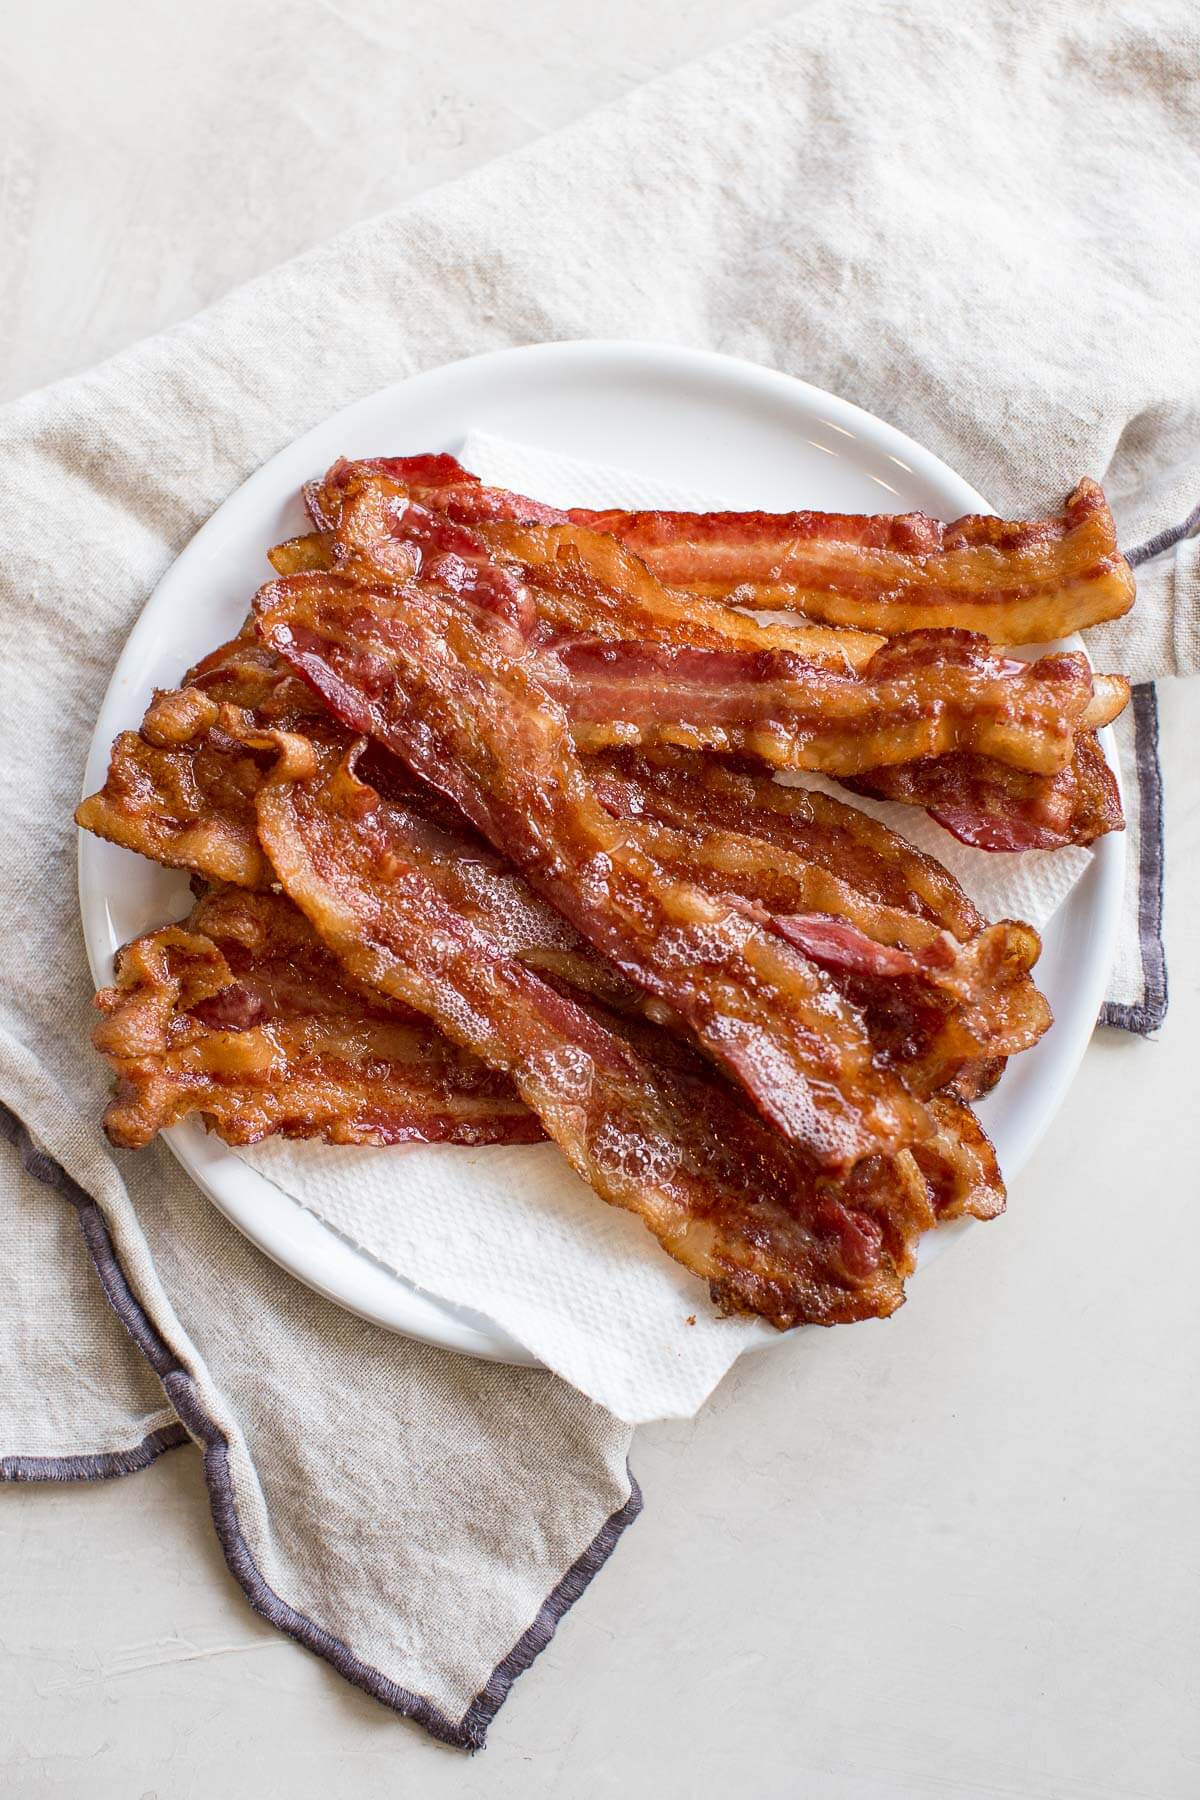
656, 1132
577, 582
453, 698
242, 1015
1015, 582
930, 694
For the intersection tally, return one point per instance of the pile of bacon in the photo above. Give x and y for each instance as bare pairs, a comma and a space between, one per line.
487, 845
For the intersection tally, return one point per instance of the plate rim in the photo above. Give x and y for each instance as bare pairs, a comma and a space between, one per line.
300, 1242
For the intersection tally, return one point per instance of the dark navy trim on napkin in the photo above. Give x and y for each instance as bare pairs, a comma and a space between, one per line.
467, 1733
1148, 1013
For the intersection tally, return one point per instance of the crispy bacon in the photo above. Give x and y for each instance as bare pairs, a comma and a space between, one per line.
440, 689
928, 1013
242, 1015
699, 793
931, 1004
959, 1163
588, 585
635, 663
660, 1134
984, 803
181, 789
383, 534
1015, 583
906, 704
581, 582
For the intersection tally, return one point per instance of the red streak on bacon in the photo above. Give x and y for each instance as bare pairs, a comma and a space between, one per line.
656, 1133
985, 804
383, 534
442, 692
241, 1015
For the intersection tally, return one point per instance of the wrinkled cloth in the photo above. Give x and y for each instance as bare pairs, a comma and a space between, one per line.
977, 222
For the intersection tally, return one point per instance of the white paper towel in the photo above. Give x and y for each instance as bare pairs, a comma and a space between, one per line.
512, 1232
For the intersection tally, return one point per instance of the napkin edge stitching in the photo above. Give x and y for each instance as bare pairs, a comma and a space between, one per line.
181, 1389
1147, 1014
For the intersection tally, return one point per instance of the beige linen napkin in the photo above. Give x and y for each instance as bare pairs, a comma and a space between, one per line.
979, 222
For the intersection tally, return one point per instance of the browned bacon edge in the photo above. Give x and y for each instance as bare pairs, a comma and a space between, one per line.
441, 690
241, 1015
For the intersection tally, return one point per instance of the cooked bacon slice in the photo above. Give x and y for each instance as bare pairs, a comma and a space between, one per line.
700, 793
913, 700
243, 1016
959, 1163
993, 807
642, 665
581, 582
931, 1004
439, 687
181, 789
1015, 583
660, 1134
588, 585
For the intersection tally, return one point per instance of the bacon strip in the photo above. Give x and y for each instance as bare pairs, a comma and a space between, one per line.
581, 582
242, 1015
586, 584
983, 803
661, 1135
1015, 583
442, 690
640, 683
181, 789
930, 1003
792, 714
698, 792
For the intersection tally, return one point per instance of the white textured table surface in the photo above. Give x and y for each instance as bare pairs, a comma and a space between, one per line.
951, 1555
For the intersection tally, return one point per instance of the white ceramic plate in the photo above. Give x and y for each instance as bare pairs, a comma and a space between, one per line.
757, 438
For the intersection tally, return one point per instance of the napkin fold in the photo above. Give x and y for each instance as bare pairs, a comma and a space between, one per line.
1004, 270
